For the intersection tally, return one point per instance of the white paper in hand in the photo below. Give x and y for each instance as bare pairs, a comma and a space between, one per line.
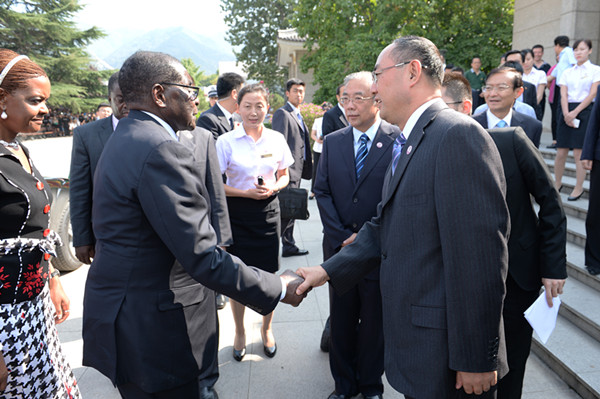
542, 317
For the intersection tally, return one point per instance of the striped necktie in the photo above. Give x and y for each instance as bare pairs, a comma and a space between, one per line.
502, 123
361, 154
397, 150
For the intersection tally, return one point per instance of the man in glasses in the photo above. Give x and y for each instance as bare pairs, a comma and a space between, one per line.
149, 318
348, 189
502, 88
439, 237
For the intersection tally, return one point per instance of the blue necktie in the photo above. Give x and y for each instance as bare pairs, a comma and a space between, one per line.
397, 150
501, 124
299, 115
361, 154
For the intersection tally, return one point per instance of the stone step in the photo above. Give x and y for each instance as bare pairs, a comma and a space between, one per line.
548, 153
569, 168
580, 307
576, 267
574, 356
577, 209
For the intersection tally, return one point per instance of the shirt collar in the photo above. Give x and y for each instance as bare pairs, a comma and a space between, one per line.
585, 65
115, 122
294, 109
342, 109
370, 132
227, 114
412, 121
163, 124
493, 119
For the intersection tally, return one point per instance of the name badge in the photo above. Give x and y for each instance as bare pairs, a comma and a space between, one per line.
266, 155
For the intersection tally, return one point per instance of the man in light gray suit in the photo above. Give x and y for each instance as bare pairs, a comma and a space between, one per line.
88, 143
440, 237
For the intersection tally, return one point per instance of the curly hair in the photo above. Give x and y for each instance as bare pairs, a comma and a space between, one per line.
20, 73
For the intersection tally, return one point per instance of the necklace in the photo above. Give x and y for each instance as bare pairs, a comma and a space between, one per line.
13, 144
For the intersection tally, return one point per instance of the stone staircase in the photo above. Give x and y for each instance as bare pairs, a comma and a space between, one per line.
573, 350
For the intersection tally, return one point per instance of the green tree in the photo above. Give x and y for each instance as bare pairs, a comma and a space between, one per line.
44, 30
345, 36
253, 26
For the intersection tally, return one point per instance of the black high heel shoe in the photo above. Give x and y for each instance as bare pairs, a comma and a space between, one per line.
570, 198
239, 354
270, 351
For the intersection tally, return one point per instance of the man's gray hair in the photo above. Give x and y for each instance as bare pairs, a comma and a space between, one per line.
362, 75
409, 48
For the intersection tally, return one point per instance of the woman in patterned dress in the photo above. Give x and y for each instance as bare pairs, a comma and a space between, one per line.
32, 299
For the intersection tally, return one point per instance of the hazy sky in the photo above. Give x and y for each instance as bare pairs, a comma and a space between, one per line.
200, 16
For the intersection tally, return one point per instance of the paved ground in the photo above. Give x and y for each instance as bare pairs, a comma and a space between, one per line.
299, 370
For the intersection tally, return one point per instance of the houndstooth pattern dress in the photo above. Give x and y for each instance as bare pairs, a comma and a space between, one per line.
36, 366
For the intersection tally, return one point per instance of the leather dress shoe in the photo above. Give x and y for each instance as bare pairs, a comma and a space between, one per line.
208, 393
335, 395
294, 252
592, 270
239, 354
270, 351
221, 301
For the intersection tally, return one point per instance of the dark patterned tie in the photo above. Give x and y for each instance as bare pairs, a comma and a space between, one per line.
397, 150
231, 123
361, 154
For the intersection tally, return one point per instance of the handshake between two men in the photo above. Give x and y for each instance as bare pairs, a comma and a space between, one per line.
301, 282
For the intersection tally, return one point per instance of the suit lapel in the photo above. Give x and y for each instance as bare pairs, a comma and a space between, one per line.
347, 152
222, 119
381, 142
302, 125
409, 149
343, 119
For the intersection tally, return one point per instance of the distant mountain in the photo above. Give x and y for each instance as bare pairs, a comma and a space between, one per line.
206, 52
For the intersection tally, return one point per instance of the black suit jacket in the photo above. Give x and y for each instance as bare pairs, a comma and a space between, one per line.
333, 120
591, 144
531, 126
88, 143
440, 236
214, 121
345, 204
156, 254
297, 137
530, 95
537, 243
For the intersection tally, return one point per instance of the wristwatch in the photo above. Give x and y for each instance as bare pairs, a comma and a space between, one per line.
55, 273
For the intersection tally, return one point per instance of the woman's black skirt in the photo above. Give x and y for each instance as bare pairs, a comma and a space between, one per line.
570, 137
255, 228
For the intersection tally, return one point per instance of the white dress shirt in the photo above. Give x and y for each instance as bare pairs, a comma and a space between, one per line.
242, 159
412, 121
535, 77
493, 120
371, 132
578, 80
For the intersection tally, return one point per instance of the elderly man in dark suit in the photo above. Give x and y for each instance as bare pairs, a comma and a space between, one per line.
590, 159
219, 118
335, 118
288, 121
440, 237
149, 306
88, 143
502, 87
348, 189
537, 244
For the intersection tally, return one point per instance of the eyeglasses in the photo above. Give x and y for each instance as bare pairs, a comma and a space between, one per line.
376, 74
192, 95
355, 100
499, 89
454, 102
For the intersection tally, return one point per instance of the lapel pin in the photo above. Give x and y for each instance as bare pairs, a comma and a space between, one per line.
379, 145
409, 149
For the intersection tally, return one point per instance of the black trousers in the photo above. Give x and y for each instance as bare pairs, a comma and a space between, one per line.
518, 338
592, 221
191, 390
316, 156
356, 343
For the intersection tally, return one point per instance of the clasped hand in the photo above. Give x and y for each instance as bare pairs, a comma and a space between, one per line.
300, 283
260, 191
292, 281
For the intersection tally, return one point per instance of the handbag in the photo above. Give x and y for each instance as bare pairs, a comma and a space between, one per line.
293, 203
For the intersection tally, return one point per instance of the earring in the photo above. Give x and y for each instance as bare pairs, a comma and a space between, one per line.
3, 115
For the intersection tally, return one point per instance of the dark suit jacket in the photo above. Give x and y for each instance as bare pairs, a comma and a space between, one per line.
530, 95
88, 143
440, 236
214, 120
531, 126
345, 204
297, 137
207, 162
537, 243
591, 144
156, 253
333, 120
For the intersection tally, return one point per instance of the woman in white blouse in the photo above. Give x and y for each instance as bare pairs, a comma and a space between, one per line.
578, 86
255, 160
536, 78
